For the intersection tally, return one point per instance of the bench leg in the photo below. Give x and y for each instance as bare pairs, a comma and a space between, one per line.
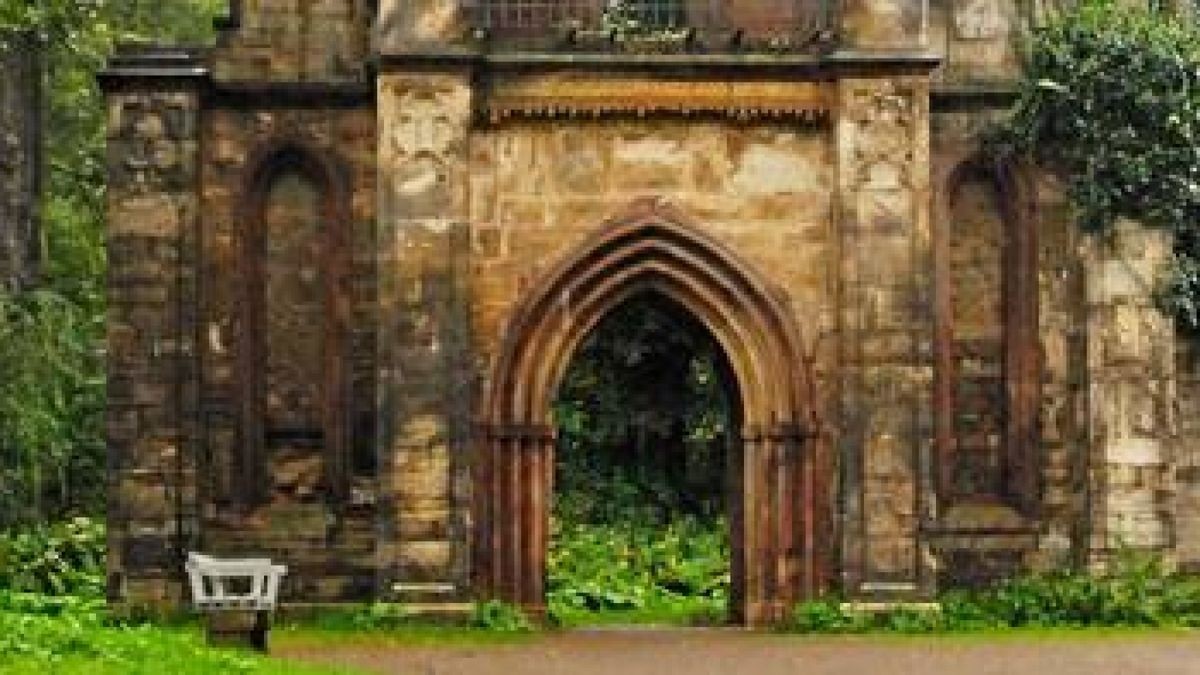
239, 628
261, 635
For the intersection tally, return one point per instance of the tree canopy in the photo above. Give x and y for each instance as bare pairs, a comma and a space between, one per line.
1111, 100
51, 337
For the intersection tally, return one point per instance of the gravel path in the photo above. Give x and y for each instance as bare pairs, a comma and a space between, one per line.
713, 652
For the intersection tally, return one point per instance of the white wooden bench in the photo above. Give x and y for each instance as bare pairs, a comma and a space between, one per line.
236, 595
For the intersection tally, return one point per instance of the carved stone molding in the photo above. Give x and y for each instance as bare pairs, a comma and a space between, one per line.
422, 144
641, 97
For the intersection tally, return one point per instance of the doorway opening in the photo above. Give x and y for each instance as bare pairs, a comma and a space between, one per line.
646, 417
776, 498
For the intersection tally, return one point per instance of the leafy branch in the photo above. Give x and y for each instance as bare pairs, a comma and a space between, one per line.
1111, 100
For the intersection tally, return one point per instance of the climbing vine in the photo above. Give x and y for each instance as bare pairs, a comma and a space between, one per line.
1111, 100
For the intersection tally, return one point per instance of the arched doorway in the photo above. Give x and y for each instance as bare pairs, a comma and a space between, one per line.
778, 509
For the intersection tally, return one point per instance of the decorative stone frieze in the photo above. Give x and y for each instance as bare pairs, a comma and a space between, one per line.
559, 97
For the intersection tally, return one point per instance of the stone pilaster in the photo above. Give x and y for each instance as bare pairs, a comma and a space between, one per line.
152, 376
886, 426
1131, 379
425, 369
1062, 419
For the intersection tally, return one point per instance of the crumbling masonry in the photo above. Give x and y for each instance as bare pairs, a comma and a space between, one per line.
354, 246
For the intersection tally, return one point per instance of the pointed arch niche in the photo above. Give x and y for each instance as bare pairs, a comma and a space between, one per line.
988, 358
293, 323
779, 525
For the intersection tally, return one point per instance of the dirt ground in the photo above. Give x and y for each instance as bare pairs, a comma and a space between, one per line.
712, 652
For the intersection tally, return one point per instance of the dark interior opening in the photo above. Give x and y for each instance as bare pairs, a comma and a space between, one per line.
647, 414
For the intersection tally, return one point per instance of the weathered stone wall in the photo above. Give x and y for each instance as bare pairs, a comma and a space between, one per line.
330, 547
20, 159
977, 40
888, 25
305, 40
1187, 503
420, 25
977, 234
1131, 383
766, 190
1062, 419
153, 212
977, 540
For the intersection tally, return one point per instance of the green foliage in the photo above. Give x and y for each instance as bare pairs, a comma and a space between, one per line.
643, 418
71, 635
500, 617
53, 616
639, 566
625, 20
51, 338
51, 406
63, 559
373, 617
823, 616
1111, 99
1136, 594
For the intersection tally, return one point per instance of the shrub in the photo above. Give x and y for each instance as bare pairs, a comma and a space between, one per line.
1136, 594
500, 617
682, 566
822, 616
61, 559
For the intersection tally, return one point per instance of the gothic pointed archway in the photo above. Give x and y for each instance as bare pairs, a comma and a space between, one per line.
778, 512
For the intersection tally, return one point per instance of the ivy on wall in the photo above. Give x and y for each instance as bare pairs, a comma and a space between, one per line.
1111, 100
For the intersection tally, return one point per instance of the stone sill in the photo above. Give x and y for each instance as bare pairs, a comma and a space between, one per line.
853, 607
921, 60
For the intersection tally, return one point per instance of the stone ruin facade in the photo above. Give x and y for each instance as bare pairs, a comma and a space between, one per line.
354, 246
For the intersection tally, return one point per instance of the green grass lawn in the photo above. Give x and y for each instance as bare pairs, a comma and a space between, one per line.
63, 646
36, 644
415, 635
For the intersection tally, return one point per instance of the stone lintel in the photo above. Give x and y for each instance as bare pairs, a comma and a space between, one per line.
881, 62
142, 66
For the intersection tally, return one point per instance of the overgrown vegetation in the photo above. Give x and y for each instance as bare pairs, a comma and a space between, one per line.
1136, 594
51, 336
639, 531
64, 559
53, 617
1111, 100
39, 634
